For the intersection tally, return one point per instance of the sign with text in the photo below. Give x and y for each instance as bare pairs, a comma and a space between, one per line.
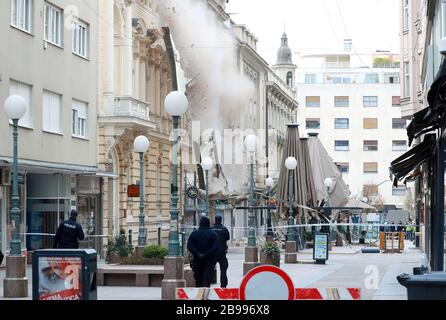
59, 278
133, 191
320, 247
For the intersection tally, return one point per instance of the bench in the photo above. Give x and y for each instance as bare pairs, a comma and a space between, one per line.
136, 276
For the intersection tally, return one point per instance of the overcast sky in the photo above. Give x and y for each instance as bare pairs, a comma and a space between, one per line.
320, 25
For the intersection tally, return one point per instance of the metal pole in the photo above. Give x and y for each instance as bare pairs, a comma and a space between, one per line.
252, 232
290, 209
174, 242
15, 244
207, 193
438, 216
142, 241
269, 223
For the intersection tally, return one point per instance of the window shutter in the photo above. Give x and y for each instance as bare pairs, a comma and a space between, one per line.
370, 167
370, 123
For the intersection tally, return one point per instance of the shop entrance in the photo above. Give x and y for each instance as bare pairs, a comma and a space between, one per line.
89, 219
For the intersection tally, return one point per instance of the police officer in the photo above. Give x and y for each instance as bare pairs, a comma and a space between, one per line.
223, 235
203, 245
68, 233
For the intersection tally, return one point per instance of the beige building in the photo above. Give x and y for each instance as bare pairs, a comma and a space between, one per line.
136, 72
49, 57
412, 35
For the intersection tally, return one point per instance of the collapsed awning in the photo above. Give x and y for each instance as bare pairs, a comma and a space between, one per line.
405, 164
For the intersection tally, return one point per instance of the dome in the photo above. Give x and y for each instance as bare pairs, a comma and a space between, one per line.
284, 55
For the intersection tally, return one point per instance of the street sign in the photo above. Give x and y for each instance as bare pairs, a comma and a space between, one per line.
192, 192
267, 283
320, 247
133, 191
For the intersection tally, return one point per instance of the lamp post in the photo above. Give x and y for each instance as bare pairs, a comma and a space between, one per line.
328, 183
251, 251
290, 245
141, 145
15, 283
269, 182
207, 165
176, 104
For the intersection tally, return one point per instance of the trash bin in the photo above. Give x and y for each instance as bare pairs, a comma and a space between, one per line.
64, 274
429, 286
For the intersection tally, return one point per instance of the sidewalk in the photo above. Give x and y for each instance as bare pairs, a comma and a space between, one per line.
346, 267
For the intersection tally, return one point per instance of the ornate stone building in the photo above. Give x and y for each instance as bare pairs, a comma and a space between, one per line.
137, 69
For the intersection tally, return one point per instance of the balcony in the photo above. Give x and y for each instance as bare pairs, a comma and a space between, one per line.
126, 110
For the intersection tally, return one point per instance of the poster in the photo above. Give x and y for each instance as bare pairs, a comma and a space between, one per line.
59, 278
320, 248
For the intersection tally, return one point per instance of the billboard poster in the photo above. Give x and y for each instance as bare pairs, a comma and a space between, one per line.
320, 246
59, 278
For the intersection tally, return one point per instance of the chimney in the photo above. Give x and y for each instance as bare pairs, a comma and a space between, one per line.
348, 45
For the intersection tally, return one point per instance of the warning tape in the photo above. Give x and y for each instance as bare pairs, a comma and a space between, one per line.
301, 294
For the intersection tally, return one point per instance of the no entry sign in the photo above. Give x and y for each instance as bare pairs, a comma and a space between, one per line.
267, 283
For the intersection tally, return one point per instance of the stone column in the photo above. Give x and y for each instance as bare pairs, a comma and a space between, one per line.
127, 52
109, 56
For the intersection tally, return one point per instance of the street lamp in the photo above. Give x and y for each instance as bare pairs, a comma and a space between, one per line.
176, 104
269, 182
290, 164
328, 183
251, 145
251, 251
141, 145
207, 165
15, 108
290, 245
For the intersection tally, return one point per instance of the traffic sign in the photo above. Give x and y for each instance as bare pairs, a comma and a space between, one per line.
267, 283
192, 192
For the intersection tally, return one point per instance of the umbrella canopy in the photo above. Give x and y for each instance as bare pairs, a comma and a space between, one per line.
358, 204
307, 175
303, 194
323, 167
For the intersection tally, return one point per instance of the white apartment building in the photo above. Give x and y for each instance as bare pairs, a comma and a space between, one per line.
353, 102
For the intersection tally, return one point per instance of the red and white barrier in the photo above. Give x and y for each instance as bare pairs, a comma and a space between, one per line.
301, 294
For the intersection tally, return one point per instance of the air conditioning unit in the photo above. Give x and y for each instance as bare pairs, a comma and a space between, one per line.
5, 177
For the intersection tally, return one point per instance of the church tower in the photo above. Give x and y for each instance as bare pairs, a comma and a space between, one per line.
284, 66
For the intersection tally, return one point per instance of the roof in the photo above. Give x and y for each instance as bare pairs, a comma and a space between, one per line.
284, 54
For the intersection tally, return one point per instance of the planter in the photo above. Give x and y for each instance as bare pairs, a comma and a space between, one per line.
310, 244
266, 259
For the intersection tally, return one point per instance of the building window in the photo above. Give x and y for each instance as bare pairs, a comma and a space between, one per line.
399, 191
23, 90
313, 123
406, 88
344, 167
370, 101
341, 123
53, 24
339, 80
398, 123
370, 145
371, 78
312, 102
396, 101
394, 79
80, 38
443, 18
310, 78
370, 123
405, 15
371, 190
399, 145
342, 145
341, 101
79, 119
370, 167
289, 79
21, 14
51, 111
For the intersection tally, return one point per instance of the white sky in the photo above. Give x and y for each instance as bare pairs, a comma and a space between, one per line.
318, 25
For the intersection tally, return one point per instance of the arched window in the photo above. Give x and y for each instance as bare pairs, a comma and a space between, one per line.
289, 79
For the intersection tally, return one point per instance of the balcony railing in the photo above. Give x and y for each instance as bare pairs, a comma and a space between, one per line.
131, 107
